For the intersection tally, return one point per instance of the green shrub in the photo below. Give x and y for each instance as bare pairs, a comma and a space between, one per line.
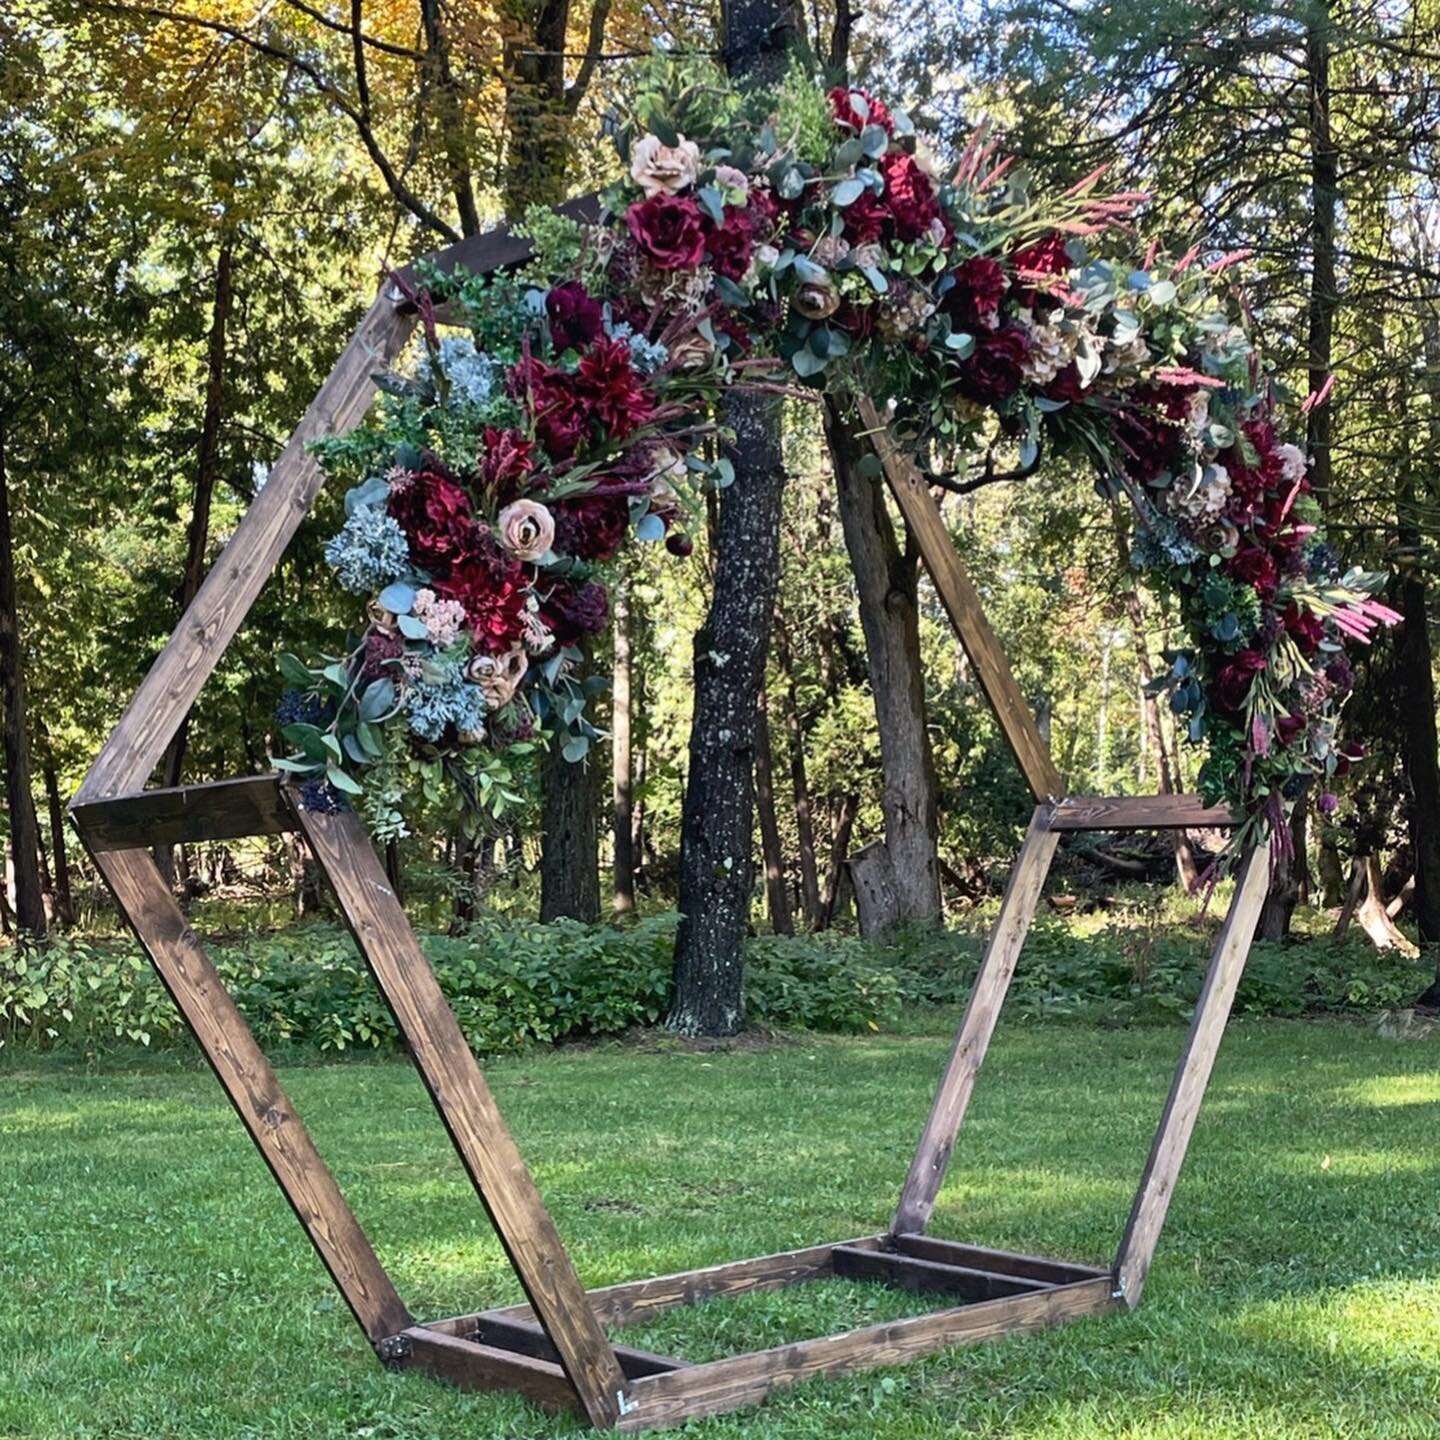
515, 982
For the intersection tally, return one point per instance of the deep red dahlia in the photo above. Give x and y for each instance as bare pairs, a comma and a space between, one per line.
591, 527
974, 299
434, 512
1046, 256
576, 317
669, 229
558, 411
574, 611
492, 589
610, 391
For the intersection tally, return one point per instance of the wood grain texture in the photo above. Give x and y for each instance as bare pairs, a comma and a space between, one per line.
1182, 1106
911, 1272
1140, 812
169, 689
469, 1365
1002, 1262
253, 1090
374, 915
926, 526
723, 1385
637, 1300
529, 1338
997, 965
218, 810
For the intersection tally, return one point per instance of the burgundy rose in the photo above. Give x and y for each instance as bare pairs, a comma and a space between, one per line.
669, 229
576, 317
1067, 385
574, 611
909, 195
434, 512
731, 244
992, 374
1235, 678
609, 389
1255, 567
842, 106
591, 527
974, 299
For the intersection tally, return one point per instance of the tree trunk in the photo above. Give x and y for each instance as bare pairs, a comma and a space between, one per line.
839, 854
439, 79
570, 848
207, 474
799, 780
887, 581
716, 840
64, 899
782, 921
621, 781
24, 830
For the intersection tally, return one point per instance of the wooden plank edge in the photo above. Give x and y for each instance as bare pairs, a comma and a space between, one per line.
1141, 812
659, 1401
624, 1304
213, 810
1003, 1262
528, 1337
913, 1272
472, 1366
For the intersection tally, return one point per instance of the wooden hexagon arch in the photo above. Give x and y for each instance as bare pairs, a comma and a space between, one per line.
555, 1349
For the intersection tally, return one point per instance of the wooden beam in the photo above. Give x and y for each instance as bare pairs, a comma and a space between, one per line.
1002, 1262
465, 1104
910, 1272
252, 1088
659, 1401
471, 1366
1182, 1106
1141, 812
529, 1338
937, 1140
926, 526
217, 810
637, 1300
169, 689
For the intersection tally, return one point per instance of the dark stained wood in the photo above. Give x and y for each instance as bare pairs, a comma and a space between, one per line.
1182, 1106
1002, 1262
909, 1272
169, 689
529, 1338
638, 1300
723, 1385
472, 1366
497, 249
374, 915
926, 526
1141, 812
249, 1082
937, 1140
219, 810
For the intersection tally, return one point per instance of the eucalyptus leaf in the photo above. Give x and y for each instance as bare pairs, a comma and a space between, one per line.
874, 141
399, 598
847, 192
411, 628
576, 748
378, 699
650, 528
295, 672
343, 782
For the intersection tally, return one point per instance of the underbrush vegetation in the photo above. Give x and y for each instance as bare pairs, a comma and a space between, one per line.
515, 982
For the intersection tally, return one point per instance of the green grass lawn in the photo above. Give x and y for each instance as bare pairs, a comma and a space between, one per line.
155, 1284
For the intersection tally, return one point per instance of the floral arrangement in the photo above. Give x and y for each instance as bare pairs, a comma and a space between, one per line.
796, 240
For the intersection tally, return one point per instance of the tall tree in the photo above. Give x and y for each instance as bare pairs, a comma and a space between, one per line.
717, 861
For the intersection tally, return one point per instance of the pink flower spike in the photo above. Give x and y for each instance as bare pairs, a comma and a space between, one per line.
1260, 736
993, 178
1233, 257
1290, 500
1316, 398
1383, 613
1185, 261
1081, 186
1151, 251
1183, 375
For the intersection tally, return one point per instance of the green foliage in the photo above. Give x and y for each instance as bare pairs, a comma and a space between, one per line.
514, 982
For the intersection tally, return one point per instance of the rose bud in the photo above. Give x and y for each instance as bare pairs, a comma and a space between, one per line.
677, 542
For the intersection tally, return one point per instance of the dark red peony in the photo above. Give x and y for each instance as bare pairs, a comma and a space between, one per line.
434, 512
591, 527
730, 245
492, 589
574, 611
993, 373
576, 317
974, 299
865, 218
842, 105
1255, 566
610, 390
669, 229
1232, 683
910, 196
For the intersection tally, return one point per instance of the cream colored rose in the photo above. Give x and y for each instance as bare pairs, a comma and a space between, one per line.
498, 676
658, 168
527, 529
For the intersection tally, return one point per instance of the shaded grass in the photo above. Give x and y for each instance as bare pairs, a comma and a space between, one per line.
155, 1284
